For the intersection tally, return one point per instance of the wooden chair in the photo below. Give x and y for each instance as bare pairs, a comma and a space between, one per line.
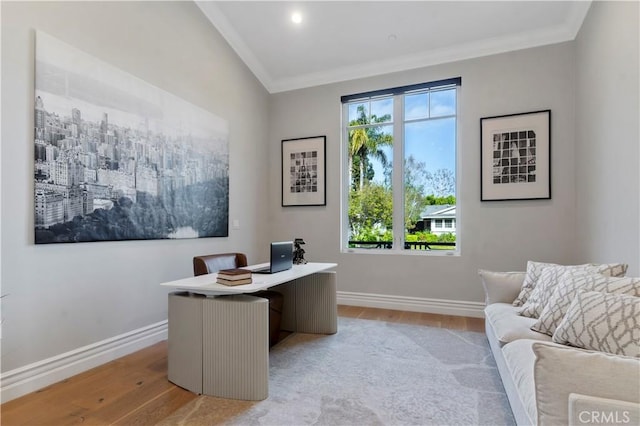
211, 263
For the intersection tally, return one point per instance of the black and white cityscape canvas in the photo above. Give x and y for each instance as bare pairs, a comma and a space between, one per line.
117, 158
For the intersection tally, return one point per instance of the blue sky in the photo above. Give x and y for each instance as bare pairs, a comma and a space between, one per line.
431, 138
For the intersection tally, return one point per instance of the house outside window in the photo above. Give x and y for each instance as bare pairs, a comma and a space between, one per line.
399, 169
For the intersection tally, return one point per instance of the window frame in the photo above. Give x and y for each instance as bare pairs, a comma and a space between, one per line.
398, 122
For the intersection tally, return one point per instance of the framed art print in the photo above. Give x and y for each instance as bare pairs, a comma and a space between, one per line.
515, 156
117, 158
304, 171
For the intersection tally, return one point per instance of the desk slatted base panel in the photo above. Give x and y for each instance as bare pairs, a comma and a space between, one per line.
219, 346
310, 304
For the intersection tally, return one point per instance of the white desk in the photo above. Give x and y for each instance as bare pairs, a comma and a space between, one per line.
218, 335
206, 284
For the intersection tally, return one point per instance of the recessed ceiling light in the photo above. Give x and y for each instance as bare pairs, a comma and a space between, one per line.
296, 17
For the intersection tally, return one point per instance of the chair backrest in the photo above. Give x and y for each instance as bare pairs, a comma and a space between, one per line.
214, 262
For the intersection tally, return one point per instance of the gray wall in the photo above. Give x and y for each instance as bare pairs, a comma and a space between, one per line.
608, 135
62, 297
493, 235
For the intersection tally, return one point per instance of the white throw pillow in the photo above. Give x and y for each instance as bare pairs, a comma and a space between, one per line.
534, 270
500, 286
569, 286
602, 322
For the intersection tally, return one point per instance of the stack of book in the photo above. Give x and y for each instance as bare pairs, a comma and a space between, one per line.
235, 276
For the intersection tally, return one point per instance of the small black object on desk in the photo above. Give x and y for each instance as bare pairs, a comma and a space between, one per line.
298, 252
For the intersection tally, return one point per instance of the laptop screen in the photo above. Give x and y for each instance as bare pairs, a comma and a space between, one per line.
281, 256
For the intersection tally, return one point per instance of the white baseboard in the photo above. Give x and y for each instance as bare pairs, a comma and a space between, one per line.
30, 378
412, 304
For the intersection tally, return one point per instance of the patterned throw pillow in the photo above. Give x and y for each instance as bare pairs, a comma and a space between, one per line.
534, 269
549, 278
566, 291
602, 322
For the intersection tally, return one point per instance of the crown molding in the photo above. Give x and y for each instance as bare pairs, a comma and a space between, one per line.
579, 10
562, 33
461, 52
224, 27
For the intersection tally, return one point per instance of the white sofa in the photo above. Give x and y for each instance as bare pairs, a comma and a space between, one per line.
549, 383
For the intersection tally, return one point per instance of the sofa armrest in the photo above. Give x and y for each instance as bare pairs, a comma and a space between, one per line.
501, 287
560, 371
590, 410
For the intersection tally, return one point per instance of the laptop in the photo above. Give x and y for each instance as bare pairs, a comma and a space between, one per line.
281, 258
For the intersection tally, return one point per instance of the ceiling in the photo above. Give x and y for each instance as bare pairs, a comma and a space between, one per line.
344, 40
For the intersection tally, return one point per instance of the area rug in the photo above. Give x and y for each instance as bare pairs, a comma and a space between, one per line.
369, 373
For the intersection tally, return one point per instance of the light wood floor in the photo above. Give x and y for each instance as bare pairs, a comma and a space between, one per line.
134, 389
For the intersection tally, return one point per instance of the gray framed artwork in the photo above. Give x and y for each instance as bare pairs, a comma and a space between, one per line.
304, 171
515, 156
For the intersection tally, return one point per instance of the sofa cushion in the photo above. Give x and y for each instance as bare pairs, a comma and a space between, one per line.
519, 359
534, 269
602, 322
568, 287
561, 370
508, 326
500, 286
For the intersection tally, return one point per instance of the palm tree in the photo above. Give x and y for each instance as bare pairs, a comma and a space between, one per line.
358, 139
367, 141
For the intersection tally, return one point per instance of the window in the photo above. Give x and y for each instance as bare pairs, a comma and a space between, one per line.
399, 169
